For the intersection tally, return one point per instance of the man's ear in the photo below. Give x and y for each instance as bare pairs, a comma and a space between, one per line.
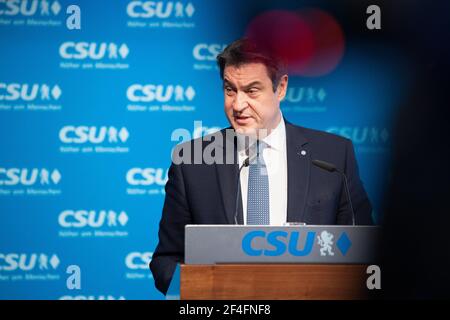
282, 87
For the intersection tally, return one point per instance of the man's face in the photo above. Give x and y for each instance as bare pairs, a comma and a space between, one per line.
250, 102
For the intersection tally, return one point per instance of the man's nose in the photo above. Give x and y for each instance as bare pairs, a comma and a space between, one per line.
240, 102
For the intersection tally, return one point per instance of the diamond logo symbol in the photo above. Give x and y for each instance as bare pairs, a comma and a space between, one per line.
123, 218
124, 134
344, 243
56, 7
189, 9
321, 94
54, 261
56, 176
123, 51
56, 92
190, 93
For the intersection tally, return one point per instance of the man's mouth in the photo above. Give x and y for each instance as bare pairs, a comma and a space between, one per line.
242, 119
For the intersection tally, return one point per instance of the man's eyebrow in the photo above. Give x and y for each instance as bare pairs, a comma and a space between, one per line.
246, 87
252, 84
228, 83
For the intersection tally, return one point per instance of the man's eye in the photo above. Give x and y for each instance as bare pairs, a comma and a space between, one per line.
229, 90
252, 90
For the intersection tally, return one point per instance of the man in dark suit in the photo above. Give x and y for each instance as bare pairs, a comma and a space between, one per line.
270, 162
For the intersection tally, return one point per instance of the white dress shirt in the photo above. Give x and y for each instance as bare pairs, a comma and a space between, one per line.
275, 157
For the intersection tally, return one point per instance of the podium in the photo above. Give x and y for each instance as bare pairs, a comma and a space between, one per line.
267, 262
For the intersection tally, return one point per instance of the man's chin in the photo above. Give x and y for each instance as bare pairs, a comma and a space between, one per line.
244, 130
254, 132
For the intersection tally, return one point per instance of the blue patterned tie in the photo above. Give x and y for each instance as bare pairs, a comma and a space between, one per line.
258, 190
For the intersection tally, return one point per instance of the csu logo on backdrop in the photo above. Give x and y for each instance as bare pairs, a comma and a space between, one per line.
29, 8
366, 139
92, 223
93, 139
305, 95
160, 9
94, 135
146, 181
171, 97
93, 50
304, 99
28, 262
137, 265
30, 97
207, 52
28, 92
92, 218
205, 55
32, 13
160, 93
30, 182
160, 14
138, 260
28, 177
147, 176
29, 267
93, 55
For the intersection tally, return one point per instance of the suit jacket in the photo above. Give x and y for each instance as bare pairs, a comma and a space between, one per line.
206, 193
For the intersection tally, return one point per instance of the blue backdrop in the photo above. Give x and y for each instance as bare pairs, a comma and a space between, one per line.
86, 118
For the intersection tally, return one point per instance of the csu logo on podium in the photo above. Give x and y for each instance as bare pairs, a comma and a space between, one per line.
295, 243
279, 241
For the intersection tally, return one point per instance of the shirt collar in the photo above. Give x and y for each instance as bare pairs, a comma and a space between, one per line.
277, 137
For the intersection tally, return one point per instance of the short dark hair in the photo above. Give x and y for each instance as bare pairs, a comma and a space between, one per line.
243, 51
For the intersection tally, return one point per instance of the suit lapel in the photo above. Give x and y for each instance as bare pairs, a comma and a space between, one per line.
298, 170
227, 175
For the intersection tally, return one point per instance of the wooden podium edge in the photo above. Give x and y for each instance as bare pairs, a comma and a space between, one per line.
273, 282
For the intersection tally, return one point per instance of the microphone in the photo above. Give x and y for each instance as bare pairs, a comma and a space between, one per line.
332, 168
246, 163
